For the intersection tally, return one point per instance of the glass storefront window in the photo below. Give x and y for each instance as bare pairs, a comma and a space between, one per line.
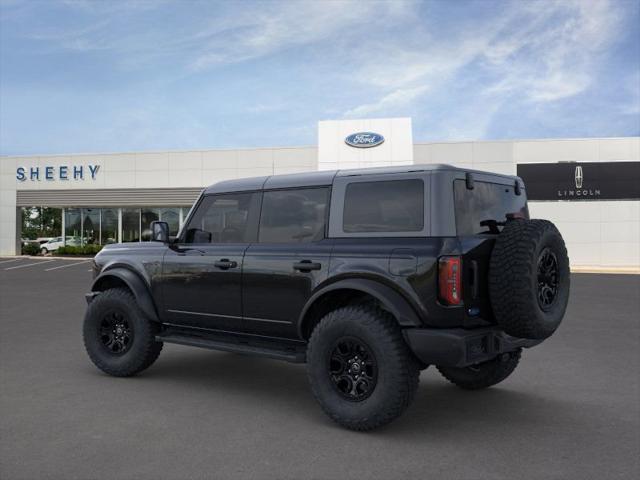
72, 226
148, 215
85, 226
90, 226
130, 224
109, 226
172, 217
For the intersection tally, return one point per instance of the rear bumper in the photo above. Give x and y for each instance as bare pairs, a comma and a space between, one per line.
457, 347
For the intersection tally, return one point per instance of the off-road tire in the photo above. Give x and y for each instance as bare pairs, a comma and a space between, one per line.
484, 374
514, 278
142, 351
397, 369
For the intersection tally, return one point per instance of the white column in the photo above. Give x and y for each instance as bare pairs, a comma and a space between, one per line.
64, 227
119, 225
9, 218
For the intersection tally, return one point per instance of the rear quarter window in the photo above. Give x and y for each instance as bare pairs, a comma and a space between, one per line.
487, 201
384, 206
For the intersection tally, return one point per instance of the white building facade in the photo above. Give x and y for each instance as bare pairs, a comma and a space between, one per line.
588, 187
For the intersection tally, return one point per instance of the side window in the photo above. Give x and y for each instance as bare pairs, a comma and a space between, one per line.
229, 218
384, 206
290, 216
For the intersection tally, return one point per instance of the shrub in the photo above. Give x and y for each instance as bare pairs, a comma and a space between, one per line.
31, 249
83, 250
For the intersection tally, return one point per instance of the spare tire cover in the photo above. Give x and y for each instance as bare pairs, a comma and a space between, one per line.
529, 278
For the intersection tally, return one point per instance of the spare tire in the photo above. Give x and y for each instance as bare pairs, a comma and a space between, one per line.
529, 278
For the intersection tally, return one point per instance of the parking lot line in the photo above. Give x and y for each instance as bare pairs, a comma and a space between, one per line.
9, 261
65, 266
30, 264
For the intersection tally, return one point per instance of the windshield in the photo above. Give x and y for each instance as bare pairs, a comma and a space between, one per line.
486, 202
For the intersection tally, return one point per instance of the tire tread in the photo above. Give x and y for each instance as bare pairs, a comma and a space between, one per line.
144, 329
384, 328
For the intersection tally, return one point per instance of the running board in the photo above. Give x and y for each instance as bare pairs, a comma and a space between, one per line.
290, 351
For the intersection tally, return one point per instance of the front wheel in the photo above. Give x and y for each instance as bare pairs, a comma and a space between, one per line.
118, 337
44, 251
360, 369
484, 374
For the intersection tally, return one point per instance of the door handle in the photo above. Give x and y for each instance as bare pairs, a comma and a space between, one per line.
225, 264
306, 266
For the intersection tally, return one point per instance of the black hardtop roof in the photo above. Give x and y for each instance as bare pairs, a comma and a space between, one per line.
322, 178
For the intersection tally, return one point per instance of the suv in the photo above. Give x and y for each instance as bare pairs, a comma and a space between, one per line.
55, 243
366, 275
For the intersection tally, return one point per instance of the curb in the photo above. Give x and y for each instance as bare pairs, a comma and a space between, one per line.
607, 270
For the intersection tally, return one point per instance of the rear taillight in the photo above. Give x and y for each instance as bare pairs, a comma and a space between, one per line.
450, 280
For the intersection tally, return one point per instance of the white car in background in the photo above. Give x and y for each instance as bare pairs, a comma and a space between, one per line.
57, 242
52, 245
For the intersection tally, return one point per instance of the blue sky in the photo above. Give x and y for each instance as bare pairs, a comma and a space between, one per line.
90, 76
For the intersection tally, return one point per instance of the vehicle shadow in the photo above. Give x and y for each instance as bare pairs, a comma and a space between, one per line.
438, 408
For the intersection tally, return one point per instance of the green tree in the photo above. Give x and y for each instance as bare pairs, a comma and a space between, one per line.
41, 222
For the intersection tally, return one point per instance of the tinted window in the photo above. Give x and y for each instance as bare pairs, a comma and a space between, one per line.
487, 201
224, 219
389, 206
293, 215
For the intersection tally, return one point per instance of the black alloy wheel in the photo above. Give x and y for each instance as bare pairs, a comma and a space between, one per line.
353, 369
547, 278
120, 339
116, 332
361, 371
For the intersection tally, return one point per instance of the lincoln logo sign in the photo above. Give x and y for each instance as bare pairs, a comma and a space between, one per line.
60, 172
579, 177
581, 181
364, 139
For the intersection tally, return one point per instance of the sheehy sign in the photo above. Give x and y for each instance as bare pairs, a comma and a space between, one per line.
581, 180
60, 172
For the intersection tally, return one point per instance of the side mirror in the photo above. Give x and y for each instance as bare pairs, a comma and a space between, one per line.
160, 232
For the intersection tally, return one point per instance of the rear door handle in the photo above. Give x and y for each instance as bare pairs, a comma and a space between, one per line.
225, 264
306, 266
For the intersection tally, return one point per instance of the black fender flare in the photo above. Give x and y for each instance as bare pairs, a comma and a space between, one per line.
392, 301
137, 286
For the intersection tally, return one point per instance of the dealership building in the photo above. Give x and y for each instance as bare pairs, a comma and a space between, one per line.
589, 187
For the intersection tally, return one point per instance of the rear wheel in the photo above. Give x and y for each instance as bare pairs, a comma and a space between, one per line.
360, 369
118, 337
484, 374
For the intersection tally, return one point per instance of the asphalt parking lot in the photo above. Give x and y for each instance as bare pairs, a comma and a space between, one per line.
571, 410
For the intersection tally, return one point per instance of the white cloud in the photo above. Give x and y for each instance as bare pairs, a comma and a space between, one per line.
536, 51
398, 98
552, 57
286, 25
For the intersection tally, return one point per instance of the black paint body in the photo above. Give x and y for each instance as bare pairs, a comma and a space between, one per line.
271, 290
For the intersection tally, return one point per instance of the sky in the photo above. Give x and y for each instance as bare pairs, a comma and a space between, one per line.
83, 76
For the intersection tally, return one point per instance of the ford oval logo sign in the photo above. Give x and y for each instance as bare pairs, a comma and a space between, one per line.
364, 139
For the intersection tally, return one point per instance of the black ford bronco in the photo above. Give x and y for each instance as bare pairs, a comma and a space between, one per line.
367, 275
